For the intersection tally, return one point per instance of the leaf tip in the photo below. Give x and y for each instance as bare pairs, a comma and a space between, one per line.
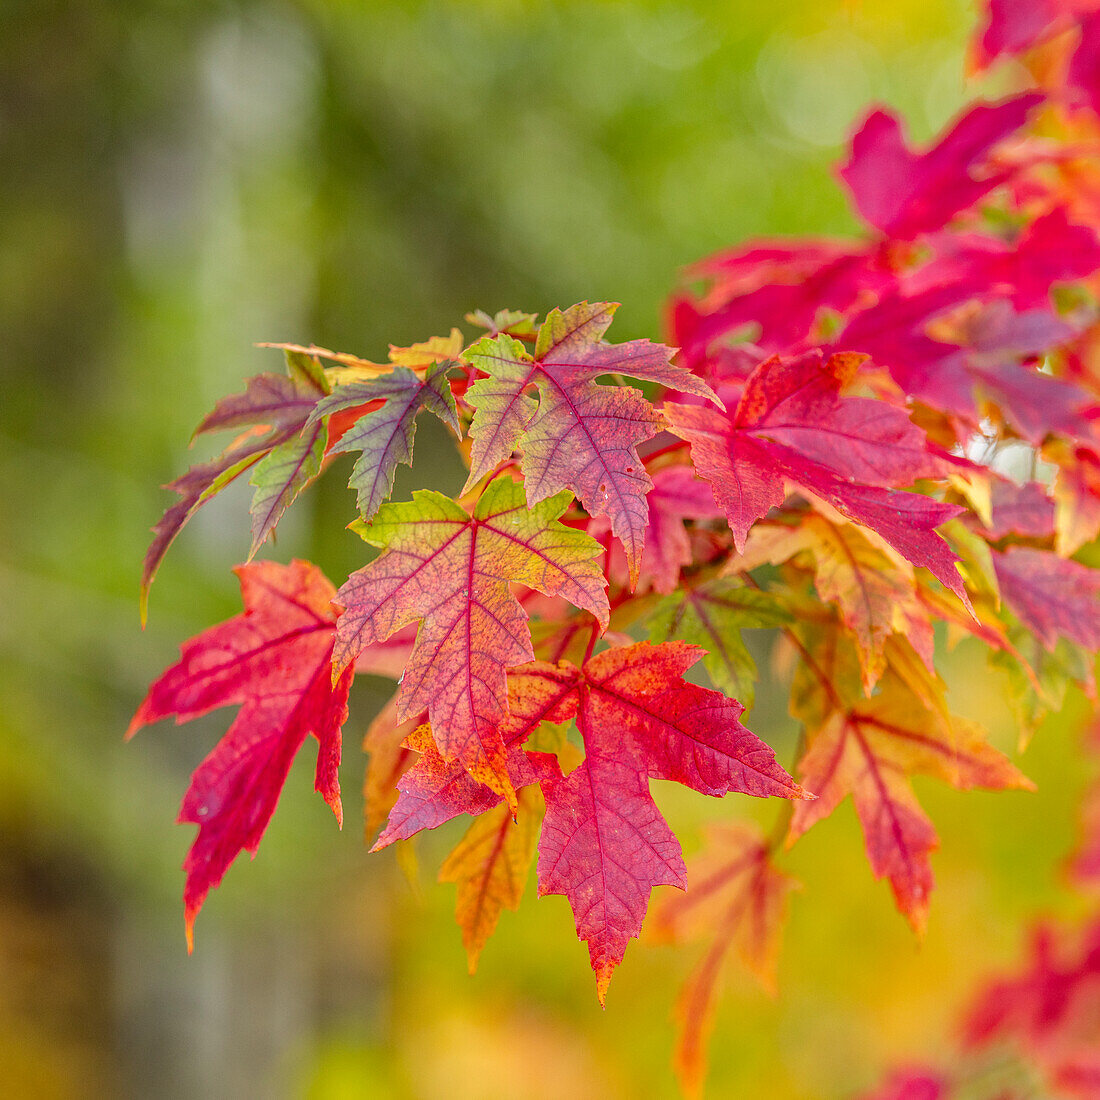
471, 481
339, 667
603, 979
136, 723
918, 921
1022, 783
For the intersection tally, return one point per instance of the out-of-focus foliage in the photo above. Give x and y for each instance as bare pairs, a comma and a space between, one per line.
185, 179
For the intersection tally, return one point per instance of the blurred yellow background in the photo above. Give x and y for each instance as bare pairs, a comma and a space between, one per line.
183, 179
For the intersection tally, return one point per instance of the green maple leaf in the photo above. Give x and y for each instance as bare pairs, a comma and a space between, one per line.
712, 615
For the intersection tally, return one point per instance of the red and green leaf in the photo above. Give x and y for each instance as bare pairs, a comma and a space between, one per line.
278, 440
451, 571
384, 434
576, 435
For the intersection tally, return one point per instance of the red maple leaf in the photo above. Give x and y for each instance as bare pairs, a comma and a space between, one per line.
275, 662
604, 843
1083, 74
1015, 26
1020, 271
781, 290
902, 193
791, 424
988, 348
1051, 595
578, 435
1012, 26
1049, 1011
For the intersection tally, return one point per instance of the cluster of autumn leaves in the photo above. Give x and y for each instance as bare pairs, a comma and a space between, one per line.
855, 441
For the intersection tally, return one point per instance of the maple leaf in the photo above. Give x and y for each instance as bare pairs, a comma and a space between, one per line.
385, 434
1024, 510
490, 866
451, 570
1036, 404
876, 595
972, 315
1013, 26
1050, 249
1083, 75
868, 748
782, 290
1018, 273
739, 899
275, 662
285, 451
904, 194
893, 332
1049, 1011
578, 435
1051, 595
604, 843
712, 616
791, 424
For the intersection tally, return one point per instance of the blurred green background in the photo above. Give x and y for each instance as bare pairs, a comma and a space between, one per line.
184, 179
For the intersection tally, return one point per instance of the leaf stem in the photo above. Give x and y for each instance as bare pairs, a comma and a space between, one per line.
593, 635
